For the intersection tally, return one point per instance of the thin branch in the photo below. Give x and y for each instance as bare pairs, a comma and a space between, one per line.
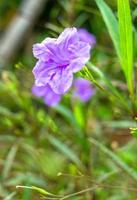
79, 193
19, 28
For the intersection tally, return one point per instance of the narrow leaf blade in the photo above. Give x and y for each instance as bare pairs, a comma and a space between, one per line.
126, 41
65, 150
111, 23
130, 171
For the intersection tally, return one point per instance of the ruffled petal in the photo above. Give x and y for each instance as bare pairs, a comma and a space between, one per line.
61, 81
81, 54
43, 73
52, 52
68, 36
76, 65
41, 50
81, 50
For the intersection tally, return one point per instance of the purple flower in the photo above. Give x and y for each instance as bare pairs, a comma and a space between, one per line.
83, 89
87, 37
50, 97
58, 59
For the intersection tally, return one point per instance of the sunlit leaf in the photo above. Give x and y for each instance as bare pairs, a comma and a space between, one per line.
126, 41
111, 23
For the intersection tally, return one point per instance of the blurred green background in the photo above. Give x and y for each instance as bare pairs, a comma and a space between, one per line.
52, 148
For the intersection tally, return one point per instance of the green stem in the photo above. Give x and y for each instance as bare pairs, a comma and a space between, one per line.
115, 94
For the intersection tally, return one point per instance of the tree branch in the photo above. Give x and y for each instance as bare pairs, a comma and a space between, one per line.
18, 29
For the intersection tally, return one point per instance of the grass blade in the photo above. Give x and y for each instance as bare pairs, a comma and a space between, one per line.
68, 115
123, 101
115, 158
65, 150
126, 41
111, 23
10, 196
9, 161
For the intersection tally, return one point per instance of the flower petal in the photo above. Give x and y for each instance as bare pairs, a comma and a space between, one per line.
39, 91
83, 89
51, 98
83, 51
43, 73
67, 37
41, 50
76, 65
61, 81
87, 37
81, 54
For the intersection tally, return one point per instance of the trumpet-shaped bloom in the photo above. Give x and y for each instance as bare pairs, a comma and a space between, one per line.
58, 59
87, 37
50, 98
83, 89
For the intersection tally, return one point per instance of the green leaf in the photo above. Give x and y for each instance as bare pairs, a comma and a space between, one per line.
9, 161
65, 150
37, 189
123, 101
130, 171
10, 196
133, 131
68, 115
111, 23
126, 41
78, 113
